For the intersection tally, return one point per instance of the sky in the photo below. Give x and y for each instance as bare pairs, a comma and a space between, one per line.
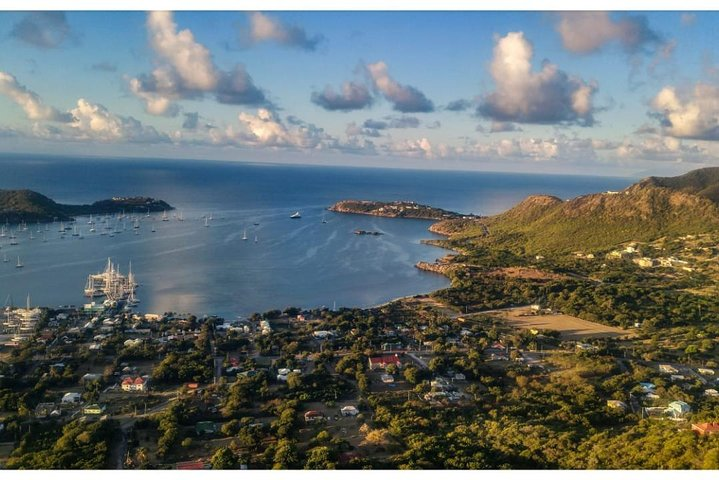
607, 93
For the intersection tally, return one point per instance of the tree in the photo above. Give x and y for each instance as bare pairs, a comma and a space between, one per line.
319, 458
186, 443
224, 459
285, 455
294, 381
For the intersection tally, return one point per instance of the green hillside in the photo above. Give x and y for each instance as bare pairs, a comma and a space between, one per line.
28, 206
647, 210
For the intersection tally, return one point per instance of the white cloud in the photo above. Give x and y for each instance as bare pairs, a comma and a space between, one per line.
547, 96
186, 70
693, 114
95, 122
405, 98
28, 100
264, 28
191, 60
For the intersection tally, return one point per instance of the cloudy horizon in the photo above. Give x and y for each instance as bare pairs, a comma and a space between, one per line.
563, 92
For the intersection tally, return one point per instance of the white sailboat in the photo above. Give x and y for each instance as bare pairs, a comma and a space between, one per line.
244, 235
4, 258
165, 218
324, 220
255, 238
19, 263
180, 217
296, 215
206, 221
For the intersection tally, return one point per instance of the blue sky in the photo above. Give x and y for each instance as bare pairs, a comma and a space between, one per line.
596, 92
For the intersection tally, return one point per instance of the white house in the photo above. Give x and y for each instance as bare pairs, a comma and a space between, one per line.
349, 411
71, 398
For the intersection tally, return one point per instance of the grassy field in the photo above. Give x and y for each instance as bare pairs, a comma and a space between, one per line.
571, 328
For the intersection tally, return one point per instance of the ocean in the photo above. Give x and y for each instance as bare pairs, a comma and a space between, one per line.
185, 266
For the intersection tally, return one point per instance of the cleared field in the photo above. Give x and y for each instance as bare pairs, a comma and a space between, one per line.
571, 328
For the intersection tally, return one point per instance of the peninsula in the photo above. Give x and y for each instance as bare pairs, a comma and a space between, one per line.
396, 209
18, 206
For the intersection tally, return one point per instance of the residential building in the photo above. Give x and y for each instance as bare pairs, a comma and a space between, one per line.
384, 360
711, 428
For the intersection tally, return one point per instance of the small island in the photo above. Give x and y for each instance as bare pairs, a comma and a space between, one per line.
18, 206
396, 209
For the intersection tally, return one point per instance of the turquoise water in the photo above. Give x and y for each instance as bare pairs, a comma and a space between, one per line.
186, 267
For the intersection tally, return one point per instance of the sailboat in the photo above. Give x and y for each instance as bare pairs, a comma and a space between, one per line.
296, 215
19, 263
206, 220
324, 220
180, 217
90, 222
4, 258
244, 235
255, 238
2, 231
165, 218
153, 228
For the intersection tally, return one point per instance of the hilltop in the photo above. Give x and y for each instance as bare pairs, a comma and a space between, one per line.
652, 208
28, 206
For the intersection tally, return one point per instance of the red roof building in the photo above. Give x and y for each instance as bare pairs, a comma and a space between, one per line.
384, 360
706, 428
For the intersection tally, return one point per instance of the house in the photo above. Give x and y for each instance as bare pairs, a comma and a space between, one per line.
664, 368
206, 428
706, 428
387, 378
460, 377
617, 405
93, 409
647, 387
678, 409
711, 392
138, 384
90, 377
349, 411
705, 371
312, 416
44, 410
71, 398
384, 360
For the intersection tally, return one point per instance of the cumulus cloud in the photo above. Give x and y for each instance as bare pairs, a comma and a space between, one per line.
588, 32
404, 98
692, 114
421, 147
458, 105
392, 122
266, 129
42, 29
186, 70
264, 28
353, 96
498, 127
95, 122
547, 96
29, 101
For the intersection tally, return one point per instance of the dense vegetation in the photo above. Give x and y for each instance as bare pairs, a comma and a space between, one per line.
27, 206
